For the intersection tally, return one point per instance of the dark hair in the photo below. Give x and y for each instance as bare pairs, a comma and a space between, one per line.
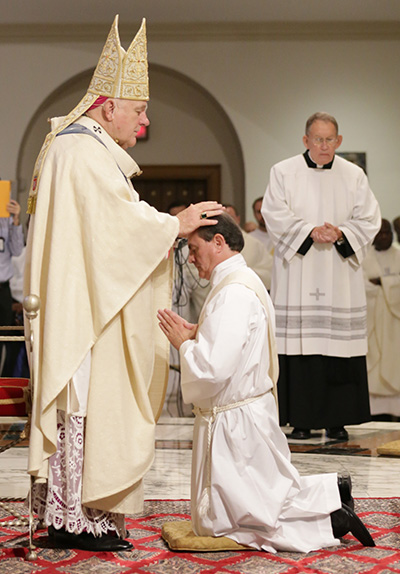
323, 117
177, 203
255, 201
229, 230
226, 205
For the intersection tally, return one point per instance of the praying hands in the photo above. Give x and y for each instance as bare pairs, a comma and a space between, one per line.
175, 328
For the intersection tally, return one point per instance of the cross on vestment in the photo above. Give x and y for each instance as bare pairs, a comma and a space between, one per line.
317, 294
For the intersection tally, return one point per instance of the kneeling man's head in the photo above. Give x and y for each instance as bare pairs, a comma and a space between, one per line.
212, 244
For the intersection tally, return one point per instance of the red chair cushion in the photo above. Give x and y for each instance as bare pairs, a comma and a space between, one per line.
13, 396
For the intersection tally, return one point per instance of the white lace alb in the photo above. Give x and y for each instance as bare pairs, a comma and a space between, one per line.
58, 502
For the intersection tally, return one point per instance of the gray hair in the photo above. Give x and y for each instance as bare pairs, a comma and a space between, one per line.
323, 117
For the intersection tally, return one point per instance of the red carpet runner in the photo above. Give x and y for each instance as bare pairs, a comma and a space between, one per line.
151, 556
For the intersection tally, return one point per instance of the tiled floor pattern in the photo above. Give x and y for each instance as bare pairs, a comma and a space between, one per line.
169, 478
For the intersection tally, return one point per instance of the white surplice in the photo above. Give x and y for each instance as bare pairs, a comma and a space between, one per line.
258, 258
265, 239
383, 318
319, 298
256, 496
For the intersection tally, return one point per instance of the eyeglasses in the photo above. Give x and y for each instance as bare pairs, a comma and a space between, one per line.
327, 141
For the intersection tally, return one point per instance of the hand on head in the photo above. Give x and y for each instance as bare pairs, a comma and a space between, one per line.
197, 215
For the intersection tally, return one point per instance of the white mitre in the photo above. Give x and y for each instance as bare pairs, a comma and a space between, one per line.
118, 74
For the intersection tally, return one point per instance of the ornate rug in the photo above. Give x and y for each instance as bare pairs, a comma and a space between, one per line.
151, 555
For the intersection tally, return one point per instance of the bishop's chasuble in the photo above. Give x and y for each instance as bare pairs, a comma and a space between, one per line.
97, 258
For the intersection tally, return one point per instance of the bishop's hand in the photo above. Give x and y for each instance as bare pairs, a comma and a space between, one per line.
197, 215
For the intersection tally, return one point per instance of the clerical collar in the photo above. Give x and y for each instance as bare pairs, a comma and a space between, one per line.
312, 163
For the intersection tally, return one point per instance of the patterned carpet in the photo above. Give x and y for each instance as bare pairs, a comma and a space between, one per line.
151, 555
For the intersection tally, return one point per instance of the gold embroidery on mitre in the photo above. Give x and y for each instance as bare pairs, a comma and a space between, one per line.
135, 79
105, 80
121, 74
118, 74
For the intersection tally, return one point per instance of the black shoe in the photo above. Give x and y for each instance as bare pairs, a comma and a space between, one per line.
345, 486
337, 433
300, 434
87, 541
345, 520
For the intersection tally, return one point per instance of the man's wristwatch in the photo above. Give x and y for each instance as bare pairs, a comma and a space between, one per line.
340, 241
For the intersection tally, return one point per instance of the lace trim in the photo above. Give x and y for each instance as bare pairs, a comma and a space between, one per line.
58, 502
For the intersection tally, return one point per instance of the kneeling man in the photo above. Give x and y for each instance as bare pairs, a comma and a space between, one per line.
243, 483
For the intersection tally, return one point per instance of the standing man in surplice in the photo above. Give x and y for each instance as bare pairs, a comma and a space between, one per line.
322, 217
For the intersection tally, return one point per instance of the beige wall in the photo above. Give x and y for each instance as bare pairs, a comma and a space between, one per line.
187, 127
266, 88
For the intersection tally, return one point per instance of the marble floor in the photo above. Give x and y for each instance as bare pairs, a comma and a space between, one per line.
169, 478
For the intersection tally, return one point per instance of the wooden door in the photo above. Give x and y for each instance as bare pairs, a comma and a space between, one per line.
162, 185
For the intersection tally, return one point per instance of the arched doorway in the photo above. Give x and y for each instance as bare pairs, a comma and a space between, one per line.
188, 127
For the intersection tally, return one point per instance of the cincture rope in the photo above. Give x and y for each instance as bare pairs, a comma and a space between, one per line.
209, 415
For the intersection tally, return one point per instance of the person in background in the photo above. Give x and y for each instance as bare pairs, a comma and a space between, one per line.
382, 273
177, 206
259, 231
187, 289
11, 245
322, 217
254, 252
19, 359
396, 227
